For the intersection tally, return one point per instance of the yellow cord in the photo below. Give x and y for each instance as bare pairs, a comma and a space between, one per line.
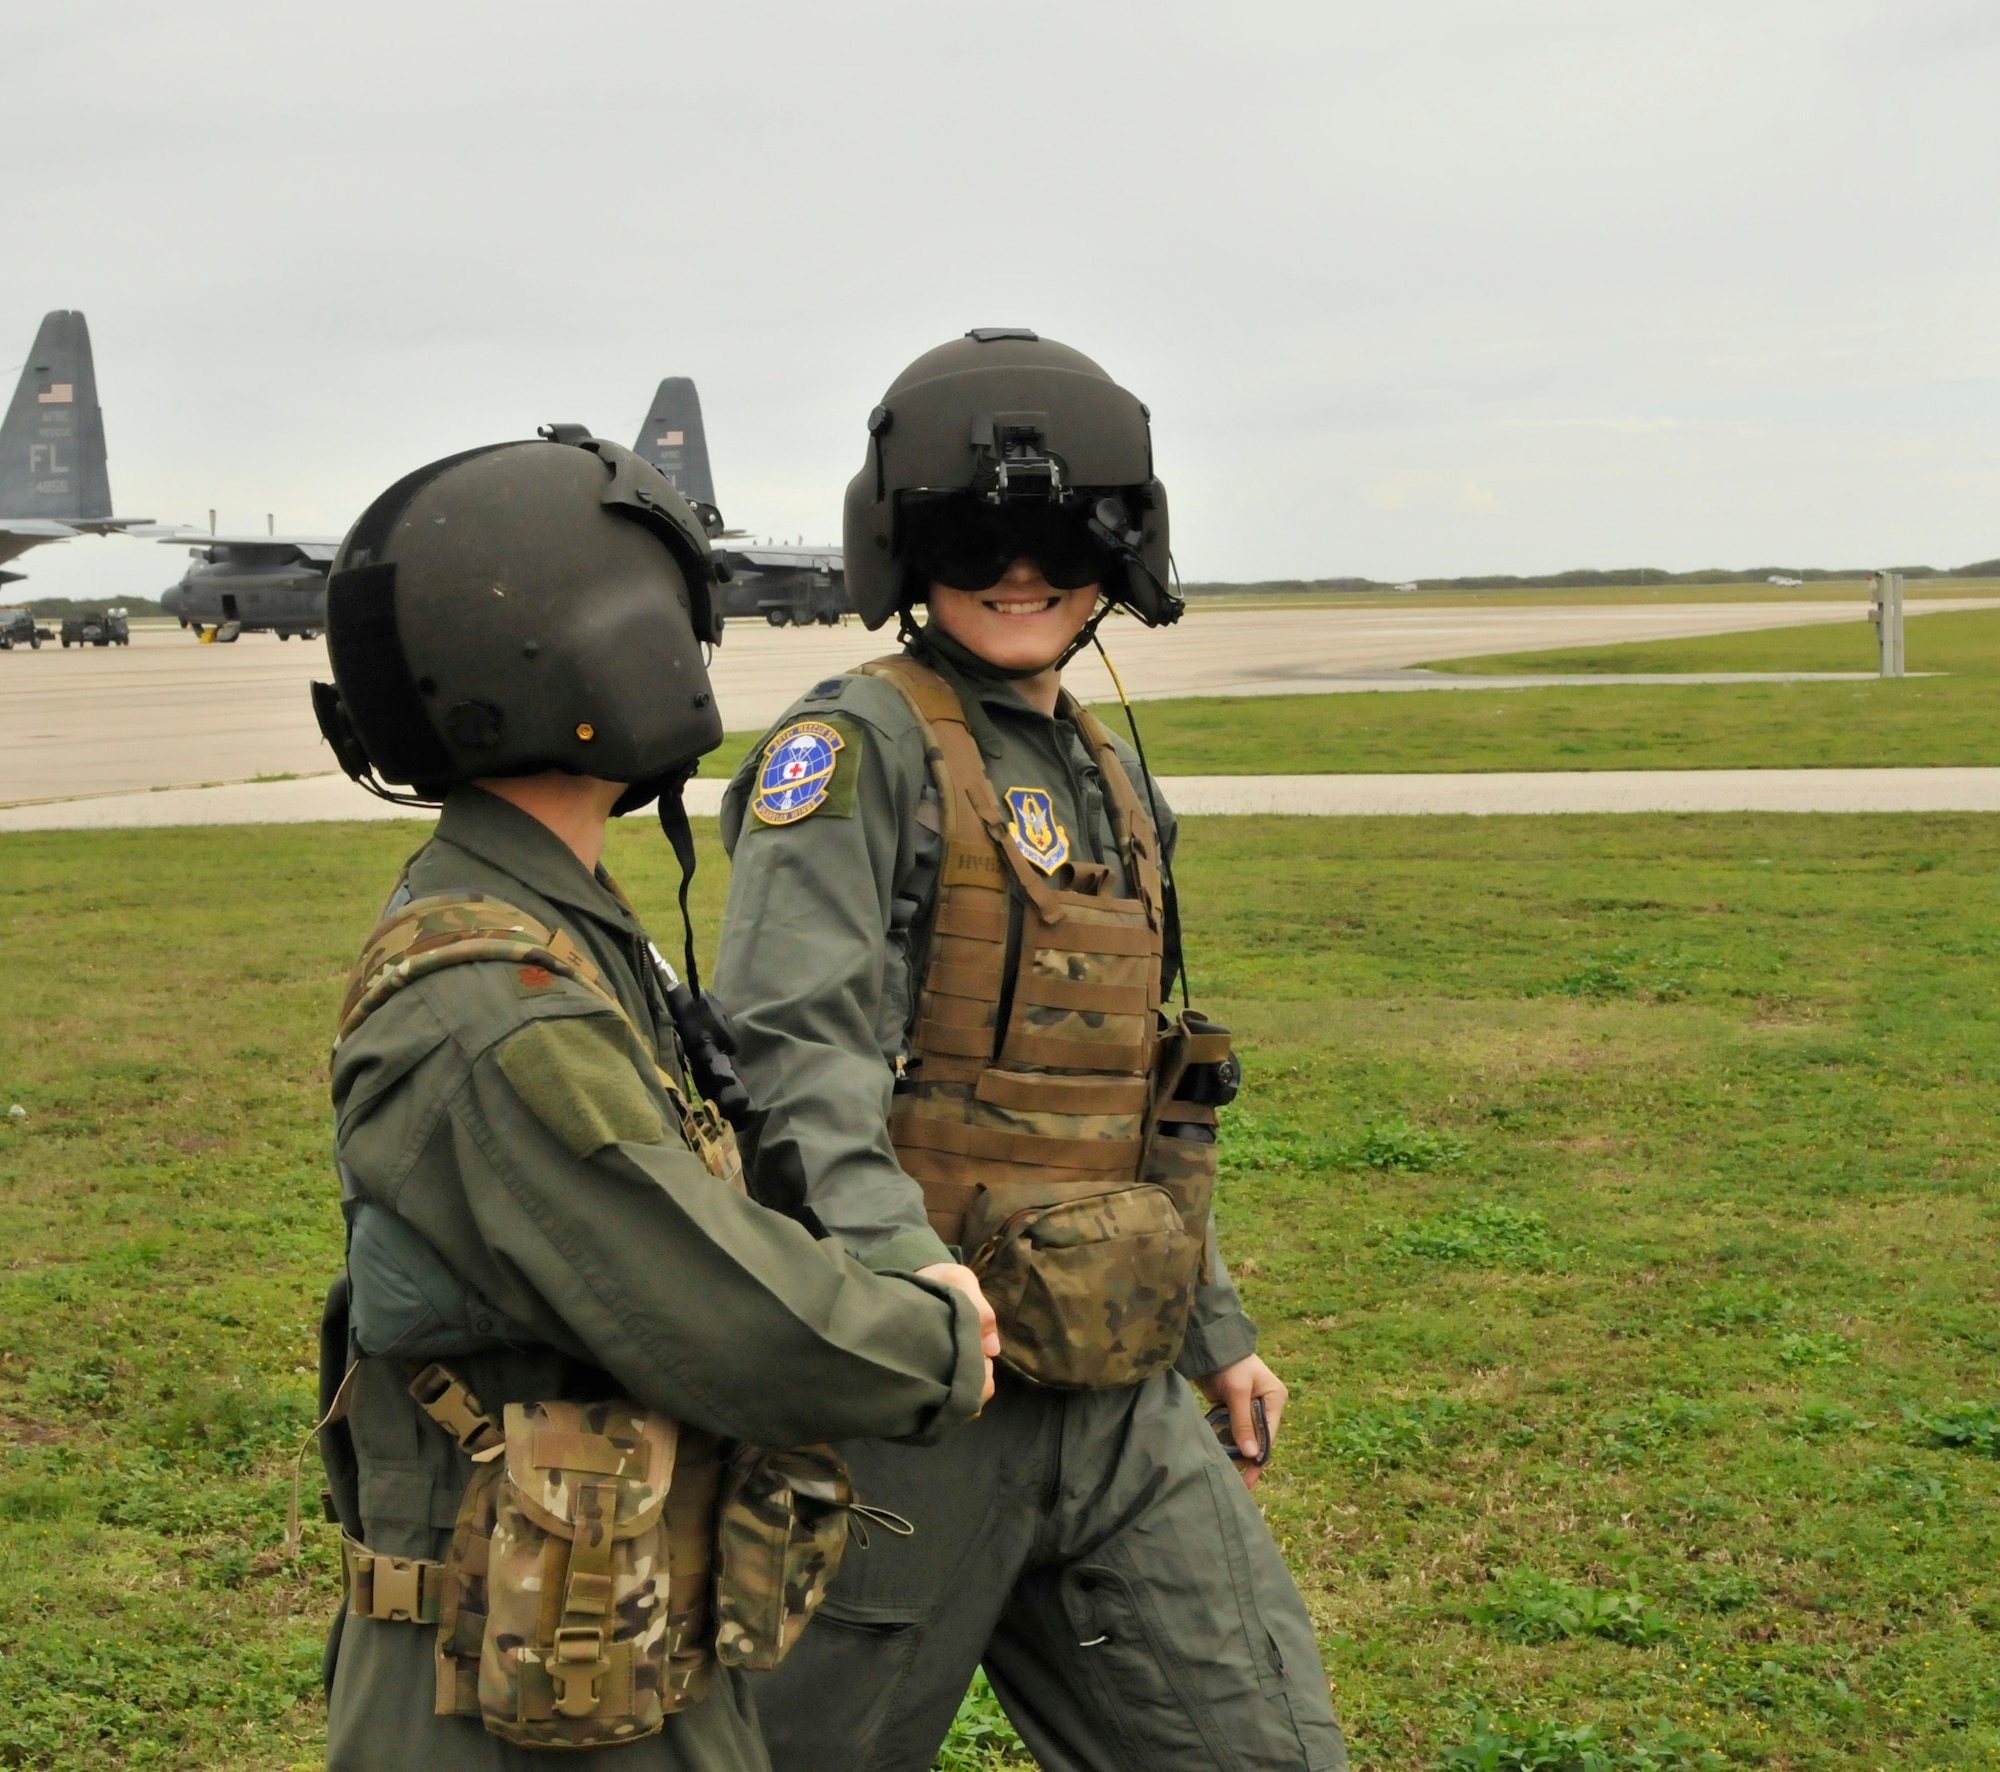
1117, 683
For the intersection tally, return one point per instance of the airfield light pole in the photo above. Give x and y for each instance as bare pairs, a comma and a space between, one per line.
1887, 614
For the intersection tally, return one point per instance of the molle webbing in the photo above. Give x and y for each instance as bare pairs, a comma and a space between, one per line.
457, 1593
1060, 1094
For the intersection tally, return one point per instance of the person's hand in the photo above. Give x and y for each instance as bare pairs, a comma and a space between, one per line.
1237, 1385
950, 1273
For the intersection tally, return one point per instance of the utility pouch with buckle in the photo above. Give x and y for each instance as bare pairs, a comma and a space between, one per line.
1092, 1290
579, 1633
781, 1530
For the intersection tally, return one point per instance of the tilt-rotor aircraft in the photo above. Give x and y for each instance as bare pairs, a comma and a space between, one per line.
54, 481
787, 586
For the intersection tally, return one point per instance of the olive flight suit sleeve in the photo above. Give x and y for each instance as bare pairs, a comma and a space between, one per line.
518, 1136
1219, 1331
816, 981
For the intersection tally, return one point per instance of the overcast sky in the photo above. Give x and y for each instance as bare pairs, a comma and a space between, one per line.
1433, 287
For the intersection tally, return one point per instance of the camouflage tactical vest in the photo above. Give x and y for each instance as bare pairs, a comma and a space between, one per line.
604, 1556
1041, 1072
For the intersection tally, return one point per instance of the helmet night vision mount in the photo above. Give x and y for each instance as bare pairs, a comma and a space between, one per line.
987, 433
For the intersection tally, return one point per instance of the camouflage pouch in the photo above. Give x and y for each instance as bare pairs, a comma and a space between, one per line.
578, 1634
780, 1533
1092, 1290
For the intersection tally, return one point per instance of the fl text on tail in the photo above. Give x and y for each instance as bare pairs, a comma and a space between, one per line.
54, 482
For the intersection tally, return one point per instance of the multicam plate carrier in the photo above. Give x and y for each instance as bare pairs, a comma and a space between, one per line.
1037, 1142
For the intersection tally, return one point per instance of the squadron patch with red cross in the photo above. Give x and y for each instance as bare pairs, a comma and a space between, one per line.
796, 773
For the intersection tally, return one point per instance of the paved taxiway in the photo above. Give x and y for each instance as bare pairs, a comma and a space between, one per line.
167, 712
325, 797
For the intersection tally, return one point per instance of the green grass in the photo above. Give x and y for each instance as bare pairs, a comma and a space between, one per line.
1946, 719
1617, 1195
1918, 720
1964, 642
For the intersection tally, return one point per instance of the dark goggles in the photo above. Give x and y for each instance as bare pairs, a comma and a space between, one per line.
968, 544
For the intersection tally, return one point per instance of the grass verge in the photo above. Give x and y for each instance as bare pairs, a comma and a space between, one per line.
1963, 642
1616, 1194
1916, 721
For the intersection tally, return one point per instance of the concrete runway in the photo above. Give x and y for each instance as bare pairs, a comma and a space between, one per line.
166, 712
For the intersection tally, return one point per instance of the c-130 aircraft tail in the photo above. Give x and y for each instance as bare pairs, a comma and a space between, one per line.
54, 479
786, 585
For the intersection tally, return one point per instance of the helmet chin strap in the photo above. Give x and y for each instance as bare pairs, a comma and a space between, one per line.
680, 835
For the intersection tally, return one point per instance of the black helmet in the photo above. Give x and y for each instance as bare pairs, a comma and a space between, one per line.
998, 440
521, 607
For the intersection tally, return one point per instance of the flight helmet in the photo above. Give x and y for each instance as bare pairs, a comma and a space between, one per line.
1002, 444
520, 607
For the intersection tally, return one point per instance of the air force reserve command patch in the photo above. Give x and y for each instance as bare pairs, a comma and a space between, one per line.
1034, 829
796, 774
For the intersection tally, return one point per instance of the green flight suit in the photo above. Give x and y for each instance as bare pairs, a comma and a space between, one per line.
498, 1111
1095, 1550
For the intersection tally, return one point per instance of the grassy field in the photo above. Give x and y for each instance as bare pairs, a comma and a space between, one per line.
1960, 642
1918, 720
1617, 1195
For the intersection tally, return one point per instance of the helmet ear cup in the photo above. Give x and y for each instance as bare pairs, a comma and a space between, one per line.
382, 706
521, 608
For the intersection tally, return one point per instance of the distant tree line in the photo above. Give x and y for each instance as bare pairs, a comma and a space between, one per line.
62, 606
1622, 576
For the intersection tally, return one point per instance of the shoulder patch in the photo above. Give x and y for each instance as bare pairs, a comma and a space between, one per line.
825, 687
576, 1076
807, 765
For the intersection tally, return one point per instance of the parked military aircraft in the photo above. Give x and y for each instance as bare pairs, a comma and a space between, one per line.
784, 584
238, 584
54, 481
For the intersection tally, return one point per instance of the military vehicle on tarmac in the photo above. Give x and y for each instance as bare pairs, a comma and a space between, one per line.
92, 629
18, 628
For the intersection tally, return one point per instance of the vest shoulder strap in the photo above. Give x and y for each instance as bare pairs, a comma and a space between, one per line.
454, 929
934, 700
1134, 819
459, 928
970, 804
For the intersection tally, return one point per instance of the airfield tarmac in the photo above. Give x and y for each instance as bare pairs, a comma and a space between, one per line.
169, 713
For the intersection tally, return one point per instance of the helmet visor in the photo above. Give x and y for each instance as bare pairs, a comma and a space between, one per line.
967, 544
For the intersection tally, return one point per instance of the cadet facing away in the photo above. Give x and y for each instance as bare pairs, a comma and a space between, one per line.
949, 941
565, 1337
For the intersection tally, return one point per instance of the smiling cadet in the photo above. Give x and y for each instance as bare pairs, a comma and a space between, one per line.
949, 948
564, 1333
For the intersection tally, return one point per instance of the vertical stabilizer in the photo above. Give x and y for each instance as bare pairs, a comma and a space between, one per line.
673, 441
52, 441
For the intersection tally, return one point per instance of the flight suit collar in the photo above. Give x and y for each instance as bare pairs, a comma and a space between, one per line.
1055, 742
517, 843
978, 691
